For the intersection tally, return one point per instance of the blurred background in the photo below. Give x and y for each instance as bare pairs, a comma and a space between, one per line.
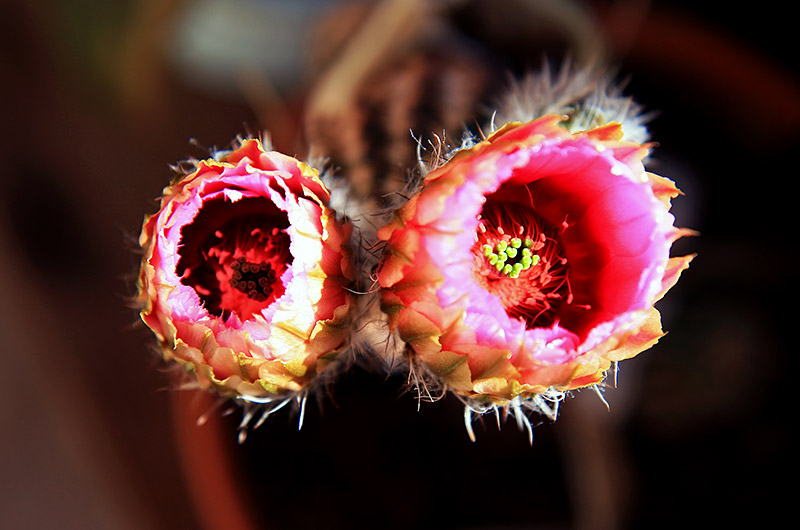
97, 99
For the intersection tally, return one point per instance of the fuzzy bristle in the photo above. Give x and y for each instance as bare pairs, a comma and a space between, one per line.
589, 96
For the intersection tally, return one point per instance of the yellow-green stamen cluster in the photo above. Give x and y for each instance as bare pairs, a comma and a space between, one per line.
511, 257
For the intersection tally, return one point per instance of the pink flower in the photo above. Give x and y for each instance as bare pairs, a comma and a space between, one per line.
245, 273
531, 262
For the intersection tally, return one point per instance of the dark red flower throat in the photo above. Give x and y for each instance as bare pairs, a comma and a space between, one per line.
519, 258
233, 255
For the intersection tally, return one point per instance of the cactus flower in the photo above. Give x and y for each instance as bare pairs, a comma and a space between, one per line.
531, 262
245, 274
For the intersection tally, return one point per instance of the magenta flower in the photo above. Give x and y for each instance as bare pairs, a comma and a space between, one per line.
530, 262
245, 274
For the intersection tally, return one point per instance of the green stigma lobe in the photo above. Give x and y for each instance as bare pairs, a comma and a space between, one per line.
511, 257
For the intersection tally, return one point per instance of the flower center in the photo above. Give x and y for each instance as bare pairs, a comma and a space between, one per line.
253, 279
234, 254
512, 256
518, 257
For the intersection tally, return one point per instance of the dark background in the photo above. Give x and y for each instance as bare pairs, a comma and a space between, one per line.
97, 100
